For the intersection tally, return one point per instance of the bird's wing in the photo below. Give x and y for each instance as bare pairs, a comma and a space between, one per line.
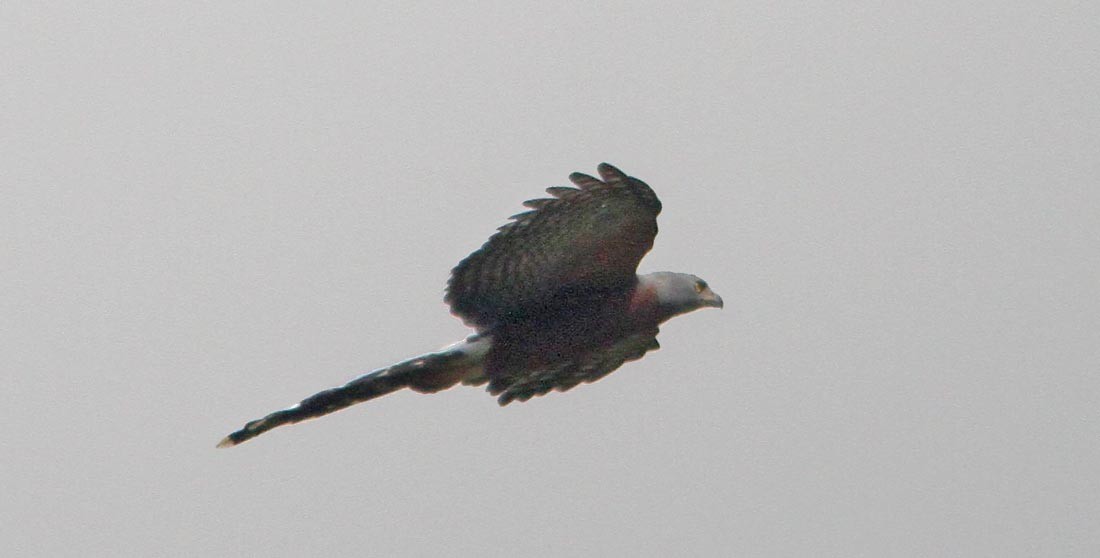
585, 241
426, 373
567, 369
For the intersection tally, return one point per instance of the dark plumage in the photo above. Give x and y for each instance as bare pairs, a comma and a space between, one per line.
553, 296
582, 242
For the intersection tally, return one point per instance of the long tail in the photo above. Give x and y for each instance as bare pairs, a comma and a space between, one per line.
461, 362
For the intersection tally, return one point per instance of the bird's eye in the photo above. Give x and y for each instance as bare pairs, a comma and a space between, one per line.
700, 286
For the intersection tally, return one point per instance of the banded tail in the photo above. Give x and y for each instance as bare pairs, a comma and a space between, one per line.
429, 373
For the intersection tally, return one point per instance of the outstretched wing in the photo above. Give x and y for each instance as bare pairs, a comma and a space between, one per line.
584, 241
567, 370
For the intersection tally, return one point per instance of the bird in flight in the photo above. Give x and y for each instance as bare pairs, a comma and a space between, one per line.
553, 297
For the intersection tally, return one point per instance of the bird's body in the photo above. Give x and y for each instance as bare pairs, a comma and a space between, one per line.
553, 296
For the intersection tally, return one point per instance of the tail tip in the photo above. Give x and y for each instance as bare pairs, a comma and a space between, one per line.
227, 442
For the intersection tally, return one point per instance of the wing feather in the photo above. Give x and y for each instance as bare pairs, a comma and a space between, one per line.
566, 372
562, 192
587, 239
584, 181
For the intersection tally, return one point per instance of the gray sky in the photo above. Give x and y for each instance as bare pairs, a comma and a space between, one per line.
210, 212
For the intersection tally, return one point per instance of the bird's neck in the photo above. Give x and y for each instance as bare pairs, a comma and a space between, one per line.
644, 307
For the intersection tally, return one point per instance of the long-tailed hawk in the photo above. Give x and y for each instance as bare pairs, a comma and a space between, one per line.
554, 299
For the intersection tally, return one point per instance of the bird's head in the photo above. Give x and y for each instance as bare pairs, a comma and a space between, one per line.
679, 293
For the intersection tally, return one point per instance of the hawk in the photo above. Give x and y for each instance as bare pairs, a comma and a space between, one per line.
553, 297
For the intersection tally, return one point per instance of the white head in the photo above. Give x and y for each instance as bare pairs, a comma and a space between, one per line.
679, 293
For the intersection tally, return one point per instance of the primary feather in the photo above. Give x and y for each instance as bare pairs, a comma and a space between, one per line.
589, 238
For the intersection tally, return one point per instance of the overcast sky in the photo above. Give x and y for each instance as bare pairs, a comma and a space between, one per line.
211, 211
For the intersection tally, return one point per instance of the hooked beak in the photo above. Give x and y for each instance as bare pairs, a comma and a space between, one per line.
710, 298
